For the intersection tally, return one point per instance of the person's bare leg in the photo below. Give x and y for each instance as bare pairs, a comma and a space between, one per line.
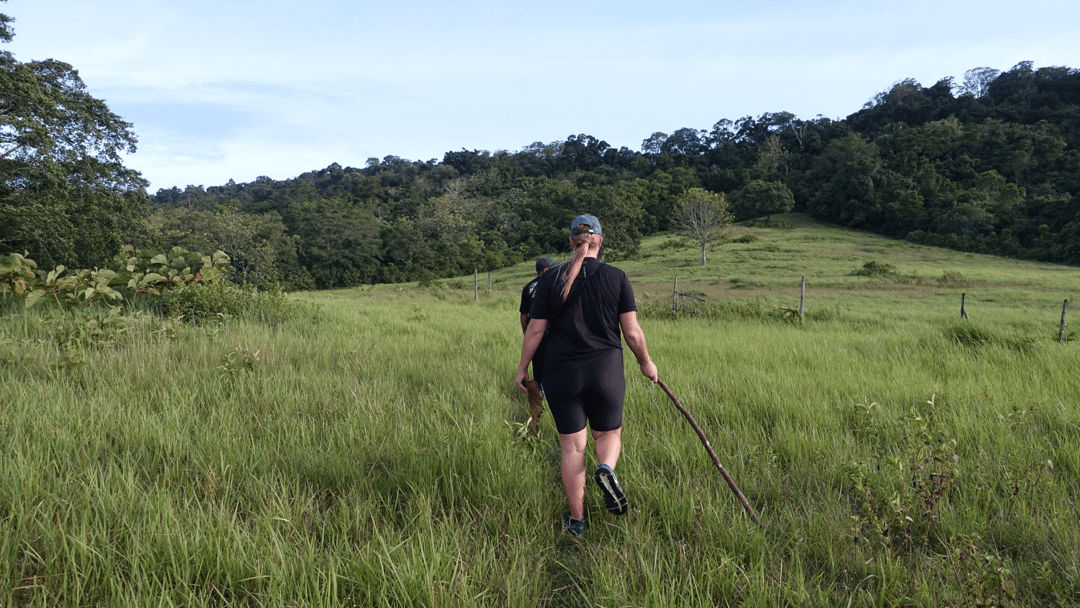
608, 446
573, 471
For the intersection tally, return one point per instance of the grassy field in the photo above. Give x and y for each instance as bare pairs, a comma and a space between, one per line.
371, 451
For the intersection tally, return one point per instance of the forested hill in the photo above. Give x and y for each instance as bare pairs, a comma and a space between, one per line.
990, 165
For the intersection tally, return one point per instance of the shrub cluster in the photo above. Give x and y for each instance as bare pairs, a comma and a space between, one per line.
132, 274
196, 303
177, 284
873, 268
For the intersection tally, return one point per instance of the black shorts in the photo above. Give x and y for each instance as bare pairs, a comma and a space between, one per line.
592, 391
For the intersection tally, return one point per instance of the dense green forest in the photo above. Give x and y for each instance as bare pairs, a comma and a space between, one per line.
990, 164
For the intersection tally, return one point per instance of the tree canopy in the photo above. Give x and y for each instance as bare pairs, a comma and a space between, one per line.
990, 165
65, 195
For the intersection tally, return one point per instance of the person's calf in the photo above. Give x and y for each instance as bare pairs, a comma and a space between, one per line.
608, 446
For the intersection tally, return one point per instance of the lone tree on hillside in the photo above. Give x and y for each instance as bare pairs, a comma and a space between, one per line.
703, 215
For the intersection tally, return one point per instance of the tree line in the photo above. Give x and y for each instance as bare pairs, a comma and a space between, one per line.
990, 165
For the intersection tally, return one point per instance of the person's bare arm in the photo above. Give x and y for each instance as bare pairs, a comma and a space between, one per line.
524, 322
635, 339
534, 332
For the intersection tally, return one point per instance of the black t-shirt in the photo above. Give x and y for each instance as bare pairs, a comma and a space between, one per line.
587, 324
527, 296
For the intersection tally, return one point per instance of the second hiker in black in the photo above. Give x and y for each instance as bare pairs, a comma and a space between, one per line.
535, 393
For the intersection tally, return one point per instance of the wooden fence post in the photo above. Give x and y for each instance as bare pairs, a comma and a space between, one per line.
802, 301
963, 313
675, 299
475, 284
1061, 334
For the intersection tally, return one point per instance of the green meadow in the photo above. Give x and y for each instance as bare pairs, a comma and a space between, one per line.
372, 450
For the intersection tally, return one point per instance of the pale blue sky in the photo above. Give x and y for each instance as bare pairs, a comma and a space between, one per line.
241, 88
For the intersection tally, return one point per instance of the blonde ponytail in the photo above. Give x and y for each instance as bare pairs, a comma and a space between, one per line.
584, 245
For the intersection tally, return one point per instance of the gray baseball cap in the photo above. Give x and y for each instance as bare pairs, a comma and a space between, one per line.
543, 263
585, 220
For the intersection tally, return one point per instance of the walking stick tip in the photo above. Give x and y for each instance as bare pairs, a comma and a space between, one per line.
716, 461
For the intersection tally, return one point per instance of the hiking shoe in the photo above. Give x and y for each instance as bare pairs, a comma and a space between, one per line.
614, 497
574, 526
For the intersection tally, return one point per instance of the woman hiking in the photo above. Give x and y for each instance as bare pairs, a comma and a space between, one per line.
582, 307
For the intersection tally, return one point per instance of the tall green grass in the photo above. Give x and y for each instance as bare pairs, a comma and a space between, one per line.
371, 453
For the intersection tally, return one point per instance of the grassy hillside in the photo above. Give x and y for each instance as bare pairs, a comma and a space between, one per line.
371, 451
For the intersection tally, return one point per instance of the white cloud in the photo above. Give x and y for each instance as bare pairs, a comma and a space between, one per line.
237, 89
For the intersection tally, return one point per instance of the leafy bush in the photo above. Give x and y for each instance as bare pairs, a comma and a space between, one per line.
874, 268
98, 327
179, 284
197, 303
134, 274
887, 509
152, 273
745, 238
239, 360
200, 302
17, 274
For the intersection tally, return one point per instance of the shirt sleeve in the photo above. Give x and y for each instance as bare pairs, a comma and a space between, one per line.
627, 303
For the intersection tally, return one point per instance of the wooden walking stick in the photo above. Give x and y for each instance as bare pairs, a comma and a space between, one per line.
716, 461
